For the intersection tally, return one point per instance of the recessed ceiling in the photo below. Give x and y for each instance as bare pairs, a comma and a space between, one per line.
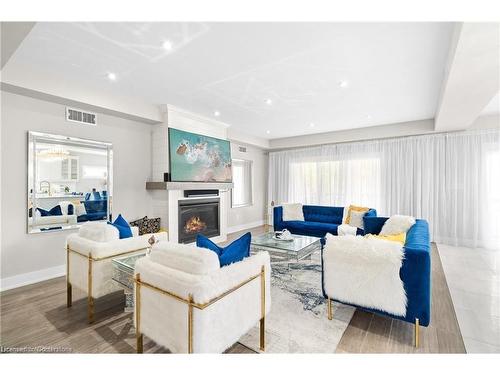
279, 77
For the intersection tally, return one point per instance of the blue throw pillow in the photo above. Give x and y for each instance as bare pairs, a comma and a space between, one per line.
54, 211
123, 228
232, 253
71, 209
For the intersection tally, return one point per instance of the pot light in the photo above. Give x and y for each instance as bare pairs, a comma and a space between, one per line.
343, 84
167, 45
368, 117
269, 101
112, 76
311, 125
268, 131
216, 113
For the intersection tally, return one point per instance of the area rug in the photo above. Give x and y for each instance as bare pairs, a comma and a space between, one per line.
298, 320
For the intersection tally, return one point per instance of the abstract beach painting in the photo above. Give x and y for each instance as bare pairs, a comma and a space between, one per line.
198, 158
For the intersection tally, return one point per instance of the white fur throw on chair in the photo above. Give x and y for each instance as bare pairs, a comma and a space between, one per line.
364, 271
164, 318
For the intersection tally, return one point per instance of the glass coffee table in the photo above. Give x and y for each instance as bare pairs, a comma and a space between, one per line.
302, 247
123, 274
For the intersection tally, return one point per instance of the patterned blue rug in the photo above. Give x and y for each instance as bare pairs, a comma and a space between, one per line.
298, 321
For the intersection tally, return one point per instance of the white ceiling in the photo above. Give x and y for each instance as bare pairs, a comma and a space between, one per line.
394, 70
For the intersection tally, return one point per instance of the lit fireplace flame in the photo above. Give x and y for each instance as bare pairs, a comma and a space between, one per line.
194, 225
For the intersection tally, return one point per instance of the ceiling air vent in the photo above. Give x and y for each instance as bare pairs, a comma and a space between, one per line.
242, 149
77, 115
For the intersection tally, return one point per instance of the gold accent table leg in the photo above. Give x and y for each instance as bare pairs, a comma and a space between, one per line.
263, 309
417, 338
138, 334
190, 324
329, 309
90, 299
69, 294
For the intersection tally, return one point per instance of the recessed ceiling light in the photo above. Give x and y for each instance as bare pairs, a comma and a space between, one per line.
269, 101
167, 45
311, 124
343, 84
368, 117
216, 113
112, 76
268, 131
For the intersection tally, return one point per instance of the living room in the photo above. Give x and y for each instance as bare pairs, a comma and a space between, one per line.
327, 187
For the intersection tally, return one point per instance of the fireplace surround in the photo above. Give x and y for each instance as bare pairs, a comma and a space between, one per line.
198, 216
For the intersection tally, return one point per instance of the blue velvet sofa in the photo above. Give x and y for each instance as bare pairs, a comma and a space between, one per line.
96, 210
415, 272
318, 220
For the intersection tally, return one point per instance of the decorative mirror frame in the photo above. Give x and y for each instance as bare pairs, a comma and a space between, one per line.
33, 138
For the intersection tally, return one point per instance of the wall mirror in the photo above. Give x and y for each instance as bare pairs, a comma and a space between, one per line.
70, 182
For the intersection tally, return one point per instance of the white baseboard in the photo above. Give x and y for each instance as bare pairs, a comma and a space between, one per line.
246, 226
32, 277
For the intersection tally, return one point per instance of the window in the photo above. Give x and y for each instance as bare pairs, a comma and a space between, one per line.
94, 171
336, 182
242, 180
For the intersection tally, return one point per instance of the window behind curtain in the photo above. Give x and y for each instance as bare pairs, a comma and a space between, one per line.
242, 180
336, 182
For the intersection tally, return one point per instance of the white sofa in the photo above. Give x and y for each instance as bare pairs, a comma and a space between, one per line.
88, 262
51, 221
187, 303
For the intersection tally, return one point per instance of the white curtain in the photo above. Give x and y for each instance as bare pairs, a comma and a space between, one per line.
450, 179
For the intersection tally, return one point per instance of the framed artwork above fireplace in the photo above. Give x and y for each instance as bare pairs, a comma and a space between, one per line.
198, 158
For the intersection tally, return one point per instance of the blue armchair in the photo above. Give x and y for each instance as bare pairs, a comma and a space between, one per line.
415, 273
318, 220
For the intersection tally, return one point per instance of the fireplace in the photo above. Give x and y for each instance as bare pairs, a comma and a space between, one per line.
198, 216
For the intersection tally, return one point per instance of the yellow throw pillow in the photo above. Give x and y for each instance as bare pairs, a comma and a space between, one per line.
400, 237
354, 208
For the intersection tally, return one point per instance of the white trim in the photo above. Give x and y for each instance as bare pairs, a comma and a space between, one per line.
241, 227
32, 277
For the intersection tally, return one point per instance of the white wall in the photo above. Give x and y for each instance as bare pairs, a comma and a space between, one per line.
241, 218
23, 253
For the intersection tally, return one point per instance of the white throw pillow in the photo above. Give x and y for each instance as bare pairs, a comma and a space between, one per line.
293, 211
186, 258
356, 219
99, 232
397, 224
64, 207
80, 209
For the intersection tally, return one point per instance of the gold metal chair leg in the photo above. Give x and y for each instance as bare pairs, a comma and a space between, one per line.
263, 308
190, 324
139, 342
90, 309
138, 335
329, 308
69, 295
263, 334
417, 326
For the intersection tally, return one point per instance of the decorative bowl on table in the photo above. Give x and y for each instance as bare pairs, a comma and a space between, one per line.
283, 235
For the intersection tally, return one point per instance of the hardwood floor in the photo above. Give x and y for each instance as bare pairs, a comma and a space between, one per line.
36, 315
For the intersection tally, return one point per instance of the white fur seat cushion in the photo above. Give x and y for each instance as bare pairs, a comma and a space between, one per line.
189, 259
397, 224
293, 211
99, 232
